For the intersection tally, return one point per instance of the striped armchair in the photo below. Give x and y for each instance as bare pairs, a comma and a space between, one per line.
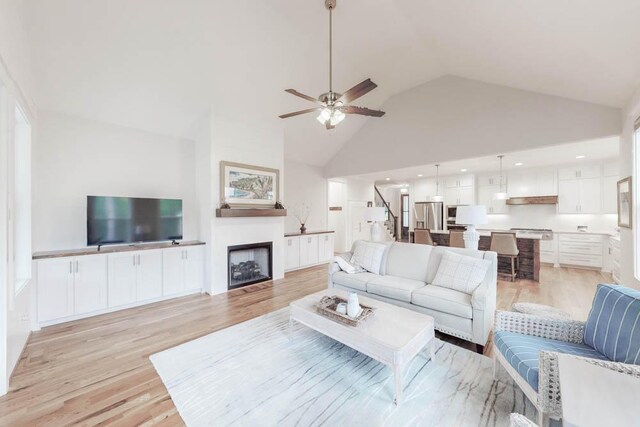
527, 346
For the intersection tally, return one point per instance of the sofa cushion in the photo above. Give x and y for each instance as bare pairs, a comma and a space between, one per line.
613, 325
523, 352
408, 260
444, 300
439, 251
356, 281
368, 255
460, 272
394, 287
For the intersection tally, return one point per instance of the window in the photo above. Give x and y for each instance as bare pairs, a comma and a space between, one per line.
635, 214
20, 202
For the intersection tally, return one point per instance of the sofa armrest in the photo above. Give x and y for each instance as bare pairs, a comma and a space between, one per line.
549, 393
334, 267
543, 327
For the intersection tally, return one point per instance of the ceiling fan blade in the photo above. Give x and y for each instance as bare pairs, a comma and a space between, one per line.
350, 109
303, 96
357, 91
297, 113
328, 125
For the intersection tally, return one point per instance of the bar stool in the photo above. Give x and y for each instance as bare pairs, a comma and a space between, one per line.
455, 239
423, 237
505, 245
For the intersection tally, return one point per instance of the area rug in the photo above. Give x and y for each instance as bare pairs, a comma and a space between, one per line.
264, 372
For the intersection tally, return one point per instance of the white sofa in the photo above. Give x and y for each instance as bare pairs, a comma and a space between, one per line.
406, 273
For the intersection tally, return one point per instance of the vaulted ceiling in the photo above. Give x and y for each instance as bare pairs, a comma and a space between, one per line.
159, 65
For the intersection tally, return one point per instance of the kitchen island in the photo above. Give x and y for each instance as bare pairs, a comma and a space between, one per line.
528, 257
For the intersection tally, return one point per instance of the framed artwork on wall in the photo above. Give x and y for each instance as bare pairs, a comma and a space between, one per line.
249, 186
625, 204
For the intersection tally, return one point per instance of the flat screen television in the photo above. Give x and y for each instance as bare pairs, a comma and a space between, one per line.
113, 220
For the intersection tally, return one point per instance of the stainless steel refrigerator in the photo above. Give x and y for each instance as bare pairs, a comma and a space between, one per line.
428, 215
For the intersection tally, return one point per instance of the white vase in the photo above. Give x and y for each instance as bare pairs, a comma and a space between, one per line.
353, 306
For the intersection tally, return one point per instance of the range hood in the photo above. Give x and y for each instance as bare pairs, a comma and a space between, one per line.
533, 200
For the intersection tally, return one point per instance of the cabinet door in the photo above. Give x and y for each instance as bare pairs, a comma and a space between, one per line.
325, 247
516, 187
465, 196
611, 169
466, 181
589, 193
452, 182
173, 276
485, 197
589, 171
149, 283
609, 194
292, 253
451, 196
308, 250
567, 174
194, 268
90, 283
122, 278
568, 200
547, 185
55, 288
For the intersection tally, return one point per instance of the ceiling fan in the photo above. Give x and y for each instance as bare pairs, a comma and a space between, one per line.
334, 106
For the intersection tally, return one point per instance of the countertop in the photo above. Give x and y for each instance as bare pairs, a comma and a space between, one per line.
487, 233
602, 233
112, 249
293, 234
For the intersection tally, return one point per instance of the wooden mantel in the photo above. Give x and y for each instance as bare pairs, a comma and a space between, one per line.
238, 212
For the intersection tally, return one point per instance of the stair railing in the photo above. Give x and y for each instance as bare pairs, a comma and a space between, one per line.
391, 221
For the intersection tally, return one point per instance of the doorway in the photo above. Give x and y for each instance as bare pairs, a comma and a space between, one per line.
404, 217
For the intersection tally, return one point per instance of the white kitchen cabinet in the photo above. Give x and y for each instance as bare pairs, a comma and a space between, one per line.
547, 184
532, 182
149, 280
580, 172
459, 181
90, 282
325, 247
182, 270
71, 286
55, 288
459, 196
308, 250
487, 180
581, 250
292, 252
485, 197
123, 275
581, 196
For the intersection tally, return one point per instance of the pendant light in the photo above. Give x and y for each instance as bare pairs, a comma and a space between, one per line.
437, 197
501, 194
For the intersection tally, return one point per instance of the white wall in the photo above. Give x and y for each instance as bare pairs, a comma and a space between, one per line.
242, 141
627, 155
307, 185
452, 118
75, 157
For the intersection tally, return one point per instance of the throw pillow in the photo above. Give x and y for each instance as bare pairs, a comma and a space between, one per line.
460, 272
368, 255
346, 266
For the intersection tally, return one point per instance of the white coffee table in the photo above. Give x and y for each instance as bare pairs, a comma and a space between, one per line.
393, 335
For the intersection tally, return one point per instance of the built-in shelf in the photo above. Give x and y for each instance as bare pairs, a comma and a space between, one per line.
93, 250
235, 213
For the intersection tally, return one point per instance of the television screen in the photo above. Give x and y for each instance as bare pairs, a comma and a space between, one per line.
112, 220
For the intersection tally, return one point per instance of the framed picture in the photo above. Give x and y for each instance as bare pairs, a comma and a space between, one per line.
249, 186
625, 204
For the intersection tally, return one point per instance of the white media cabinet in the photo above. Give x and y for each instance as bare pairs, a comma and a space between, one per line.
306, 250
86, 282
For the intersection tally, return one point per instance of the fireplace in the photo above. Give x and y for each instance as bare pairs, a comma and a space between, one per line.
249, 264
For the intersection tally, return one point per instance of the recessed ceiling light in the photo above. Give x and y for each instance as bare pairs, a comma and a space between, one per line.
419, 175
403, 190
518, 164
581, 156
463, 170
387, 179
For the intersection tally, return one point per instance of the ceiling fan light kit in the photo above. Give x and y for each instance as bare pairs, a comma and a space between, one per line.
333, 106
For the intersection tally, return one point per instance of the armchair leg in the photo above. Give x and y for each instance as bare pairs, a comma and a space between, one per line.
479, 349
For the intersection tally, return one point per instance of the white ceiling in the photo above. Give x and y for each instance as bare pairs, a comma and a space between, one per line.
159, 65
593, 151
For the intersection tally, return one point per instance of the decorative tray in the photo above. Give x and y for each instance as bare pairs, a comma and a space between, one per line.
327, 308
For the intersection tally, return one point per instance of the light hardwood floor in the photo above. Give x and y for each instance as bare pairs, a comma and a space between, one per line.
97, 371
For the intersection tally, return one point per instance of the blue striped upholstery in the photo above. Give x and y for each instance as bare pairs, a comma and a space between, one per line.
613, 325
523, 351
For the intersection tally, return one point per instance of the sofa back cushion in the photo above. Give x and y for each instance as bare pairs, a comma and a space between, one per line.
461, 272
438, 252
368, 255
408, 260
613, 325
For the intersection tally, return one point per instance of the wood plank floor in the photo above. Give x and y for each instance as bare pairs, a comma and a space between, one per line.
97, 371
